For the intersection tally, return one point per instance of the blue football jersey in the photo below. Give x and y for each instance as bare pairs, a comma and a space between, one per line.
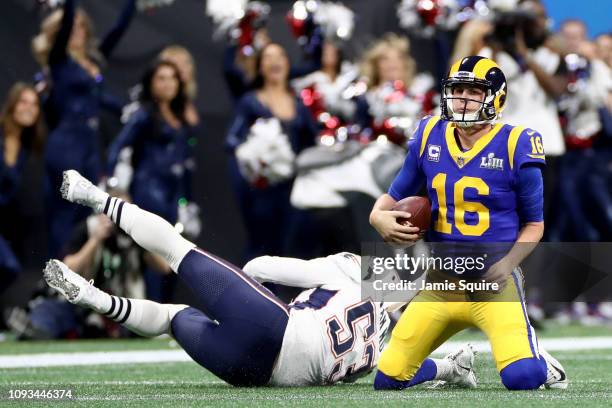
473, 192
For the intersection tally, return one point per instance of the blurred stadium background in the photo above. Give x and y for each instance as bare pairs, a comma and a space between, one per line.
223, 230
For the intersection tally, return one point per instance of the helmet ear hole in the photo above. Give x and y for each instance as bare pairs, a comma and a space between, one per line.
500, 100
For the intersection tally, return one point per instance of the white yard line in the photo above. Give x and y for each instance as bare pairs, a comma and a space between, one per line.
171, 356
93, 358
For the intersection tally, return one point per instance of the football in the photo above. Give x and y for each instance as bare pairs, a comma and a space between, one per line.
419, 207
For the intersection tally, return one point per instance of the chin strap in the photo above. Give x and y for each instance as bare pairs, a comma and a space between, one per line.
466, 125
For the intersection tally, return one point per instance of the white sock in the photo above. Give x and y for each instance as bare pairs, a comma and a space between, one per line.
150, 231
444, 369
99, 199
141, 316
96, 299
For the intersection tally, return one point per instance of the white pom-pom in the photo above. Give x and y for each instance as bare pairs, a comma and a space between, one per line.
266, 153
336, 20
227, 14
407, 15
221, 10
424, 17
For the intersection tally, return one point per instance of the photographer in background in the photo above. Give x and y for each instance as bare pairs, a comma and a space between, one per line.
520, 43
581, 108
585, 169
586, 105
100, 252
105, 254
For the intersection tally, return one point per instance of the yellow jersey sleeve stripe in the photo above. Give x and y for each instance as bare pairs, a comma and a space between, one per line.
482, 67
537, 156
426, 132
513, 142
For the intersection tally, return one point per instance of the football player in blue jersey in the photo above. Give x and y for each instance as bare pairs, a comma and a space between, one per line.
485, 184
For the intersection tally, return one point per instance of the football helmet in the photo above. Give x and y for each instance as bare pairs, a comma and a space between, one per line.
484, 73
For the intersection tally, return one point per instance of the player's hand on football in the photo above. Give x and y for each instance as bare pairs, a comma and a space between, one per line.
499, 273
387, 225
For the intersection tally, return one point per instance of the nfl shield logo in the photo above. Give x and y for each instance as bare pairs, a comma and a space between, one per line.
460, 161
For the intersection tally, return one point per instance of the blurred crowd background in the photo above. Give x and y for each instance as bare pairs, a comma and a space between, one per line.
267, 128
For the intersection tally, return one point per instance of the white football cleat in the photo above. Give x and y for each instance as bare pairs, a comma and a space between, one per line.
70, 284
555, 373
462, 363
77, 189
463, 366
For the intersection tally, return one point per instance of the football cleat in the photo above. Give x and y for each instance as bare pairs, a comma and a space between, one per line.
70, 284
462, 363
555, 373
77, 189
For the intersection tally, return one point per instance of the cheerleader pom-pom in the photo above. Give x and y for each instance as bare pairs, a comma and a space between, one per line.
237, 20
336, 21
423, 17
266, 157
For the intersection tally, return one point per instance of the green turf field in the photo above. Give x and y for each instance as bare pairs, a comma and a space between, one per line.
187, 384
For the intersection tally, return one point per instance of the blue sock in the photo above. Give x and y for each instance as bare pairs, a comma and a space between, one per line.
426, 372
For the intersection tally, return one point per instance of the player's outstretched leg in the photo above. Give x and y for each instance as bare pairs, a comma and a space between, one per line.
208, 276
242, 353
242, 343
455, 368
141, 316
150, 231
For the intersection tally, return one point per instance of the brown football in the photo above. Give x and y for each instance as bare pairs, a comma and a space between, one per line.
419, 207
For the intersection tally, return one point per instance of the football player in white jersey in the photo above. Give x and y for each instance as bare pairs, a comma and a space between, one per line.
244, 334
